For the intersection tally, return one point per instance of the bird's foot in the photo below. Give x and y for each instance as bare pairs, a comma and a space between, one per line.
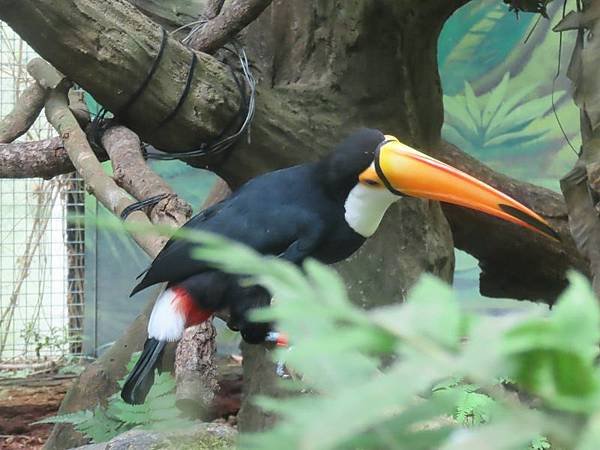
280, 340
277, 338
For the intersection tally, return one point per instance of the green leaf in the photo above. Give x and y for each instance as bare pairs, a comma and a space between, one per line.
472, 105
509, 433
430, 298
514, 137
554, 357
72, 418
494, 100
457, 116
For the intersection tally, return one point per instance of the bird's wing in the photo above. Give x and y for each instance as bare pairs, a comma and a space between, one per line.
287, 231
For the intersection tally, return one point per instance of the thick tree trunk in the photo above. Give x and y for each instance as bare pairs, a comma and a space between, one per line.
581, 186
108, 47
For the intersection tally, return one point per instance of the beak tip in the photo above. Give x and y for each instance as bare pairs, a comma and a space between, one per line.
538, 225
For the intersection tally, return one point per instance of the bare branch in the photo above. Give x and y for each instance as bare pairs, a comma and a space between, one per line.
45, 75
103, 187
26, 110
213, 8
133, 174
233, 19
195, 370
43, 159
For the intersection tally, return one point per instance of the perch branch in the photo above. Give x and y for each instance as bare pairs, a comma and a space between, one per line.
101, 185
44, 159
195, 371
514, 261
131, 172
26, 110
234, 18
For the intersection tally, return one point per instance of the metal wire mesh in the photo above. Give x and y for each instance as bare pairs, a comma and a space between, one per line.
41, 248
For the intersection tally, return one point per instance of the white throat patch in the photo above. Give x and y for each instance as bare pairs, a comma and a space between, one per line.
365, 207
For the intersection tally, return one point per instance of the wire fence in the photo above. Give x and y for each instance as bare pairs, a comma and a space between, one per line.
41, 248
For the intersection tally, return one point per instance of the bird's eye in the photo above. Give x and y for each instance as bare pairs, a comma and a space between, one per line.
371, 182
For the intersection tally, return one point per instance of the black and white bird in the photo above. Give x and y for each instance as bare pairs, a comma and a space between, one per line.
323, 210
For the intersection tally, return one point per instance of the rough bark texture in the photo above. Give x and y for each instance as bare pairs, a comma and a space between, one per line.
581, 186
44, 159
233, 18
109, 49
124, 148
19, 120
195, 370
176, 14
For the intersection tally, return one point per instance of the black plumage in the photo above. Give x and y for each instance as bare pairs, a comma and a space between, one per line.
293, 213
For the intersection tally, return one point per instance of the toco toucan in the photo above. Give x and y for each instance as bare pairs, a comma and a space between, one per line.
324, 210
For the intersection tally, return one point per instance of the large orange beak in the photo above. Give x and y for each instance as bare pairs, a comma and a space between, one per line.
406, 171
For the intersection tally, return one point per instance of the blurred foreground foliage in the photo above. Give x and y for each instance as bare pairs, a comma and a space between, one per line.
105, 422
426, 374
430, 373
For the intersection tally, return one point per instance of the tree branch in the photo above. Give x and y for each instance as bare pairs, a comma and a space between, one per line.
298, 118
113, 65
45, 159
515, 262
581, 186
23, 115
234, 18
195, 371
89, 168
131, 172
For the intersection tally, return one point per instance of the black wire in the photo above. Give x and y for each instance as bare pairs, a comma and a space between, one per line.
246, 110
99, 124
137, 206
149, 75
225, 140
184, 93
560, 40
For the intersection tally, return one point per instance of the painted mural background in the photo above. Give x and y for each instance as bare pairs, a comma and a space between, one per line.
499, 80
498, 107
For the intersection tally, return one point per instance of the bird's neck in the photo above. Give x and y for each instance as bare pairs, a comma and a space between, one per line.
365, 207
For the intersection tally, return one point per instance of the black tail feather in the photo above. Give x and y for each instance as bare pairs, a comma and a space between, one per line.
141, 378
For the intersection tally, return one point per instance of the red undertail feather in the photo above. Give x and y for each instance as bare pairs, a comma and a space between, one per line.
188, 308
